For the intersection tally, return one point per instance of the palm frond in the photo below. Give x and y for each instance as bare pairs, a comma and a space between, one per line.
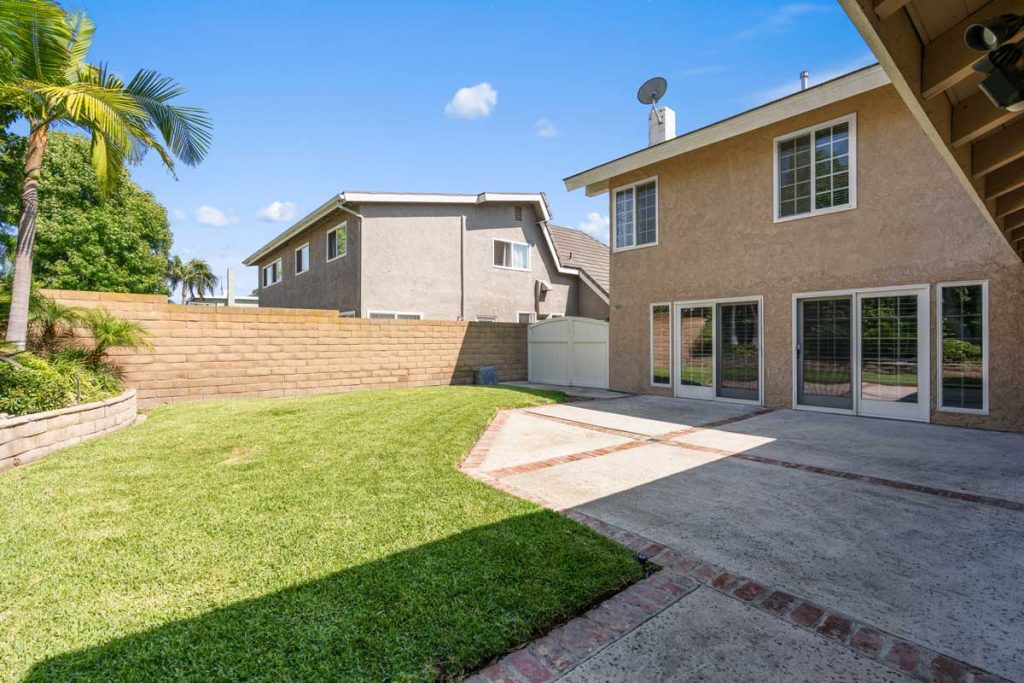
188, 131
80, 33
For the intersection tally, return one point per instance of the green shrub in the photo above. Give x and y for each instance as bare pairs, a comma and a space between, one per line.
959, 351
35, 385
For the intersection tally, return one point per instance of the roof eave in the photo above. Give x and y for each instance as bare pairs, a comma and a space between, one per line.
596, 180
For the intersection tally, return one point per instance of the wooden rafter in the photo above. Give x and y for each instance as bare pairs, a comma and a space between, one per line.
975, 117
998, 150
1004, 180
886, 8
1009, 203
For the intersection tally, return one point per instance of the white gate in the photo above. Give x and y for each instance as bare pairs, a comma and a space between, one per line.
570, 352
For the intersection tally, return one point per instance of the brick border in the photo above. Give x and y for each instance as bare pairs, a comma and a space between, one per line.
667, 440
569, 645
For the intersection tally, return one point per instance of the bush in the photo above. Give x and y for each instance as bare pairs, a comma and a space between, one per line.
34, 385
959, 351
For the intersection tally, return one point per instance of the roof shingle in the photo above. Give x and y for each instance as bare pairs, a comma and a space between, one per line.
579, 250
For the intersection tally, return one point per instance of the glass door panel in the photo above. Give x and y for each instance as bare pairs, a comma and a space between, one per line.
738, 368
894, 355
824, 353
695, 332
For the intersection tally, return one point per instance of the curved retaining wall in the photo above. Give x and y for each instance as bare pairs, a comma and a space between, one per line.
29, 437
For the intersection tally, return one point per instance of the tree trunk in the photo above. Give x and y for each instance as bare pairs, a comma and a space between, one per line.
17, 324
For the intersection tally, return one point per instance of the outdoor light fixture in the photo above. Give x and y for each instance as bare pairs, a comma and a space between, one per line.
993, 33
1004, 80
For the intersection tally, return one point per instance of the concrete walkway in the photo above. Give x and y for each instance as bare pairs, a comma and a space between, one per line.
877, 550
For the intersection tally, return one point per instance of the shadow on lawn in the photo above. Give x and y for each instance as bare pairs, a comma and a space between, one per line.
429, 613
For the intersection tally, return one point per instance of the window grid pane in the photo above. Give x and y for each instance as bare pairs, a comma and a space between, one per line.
521, 256
646, 213
696, 346
661, 343
832, 166
963, 375
795, 176
889, 364
624, 218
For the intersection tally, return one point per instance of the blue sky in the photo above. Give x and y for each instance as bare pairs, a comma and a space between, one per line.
313, 97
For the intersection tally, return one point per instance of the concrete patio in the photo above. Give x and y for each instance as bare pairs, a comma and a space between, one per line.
913, 530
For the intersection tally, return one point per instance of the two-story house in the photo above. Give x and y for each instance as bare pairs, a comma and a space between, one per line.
478, 257
814, 253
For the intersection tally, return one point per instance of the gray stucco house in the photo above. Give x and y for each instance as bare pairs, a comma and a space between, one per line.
478, 257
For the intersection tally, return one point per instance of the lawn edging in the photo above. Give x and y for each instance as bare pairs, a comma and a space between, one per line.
26, 438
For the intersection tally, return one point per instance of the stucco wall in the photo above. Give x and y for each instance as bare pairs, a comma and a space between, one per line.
327, 284
27, 438
589, 304
203, 352
913, 225
412, 254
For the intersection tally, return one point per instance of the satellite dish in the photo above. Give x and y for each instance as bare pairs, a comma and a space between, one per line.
652, 90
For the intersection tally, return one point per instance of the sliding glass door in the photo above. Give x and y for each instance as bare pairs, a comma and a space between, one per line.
824, 352
864, 352
718, 350
893, 378
739, 355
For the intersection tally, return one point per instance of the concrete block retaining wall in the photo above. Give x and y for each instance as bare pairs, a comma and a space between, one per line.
204, 352
30, 437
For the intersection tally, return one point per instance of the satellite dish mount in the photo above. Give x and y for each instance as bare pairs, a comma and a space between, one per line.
651, 91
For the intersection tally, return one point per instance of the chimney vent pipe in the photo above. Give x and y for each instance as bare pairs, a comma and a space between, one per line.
805, 77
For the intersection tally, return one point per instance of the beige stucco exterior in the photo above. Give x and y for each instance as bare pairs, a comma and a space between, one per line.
913, 224
432, 259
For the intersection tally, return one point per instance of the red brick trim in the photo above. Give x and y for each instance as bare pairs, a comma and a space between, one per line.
561, 460
918, 661
891, 483
667, 439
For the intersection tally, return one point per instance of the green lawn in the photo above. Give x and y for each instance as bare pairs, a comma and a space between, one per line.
317, 538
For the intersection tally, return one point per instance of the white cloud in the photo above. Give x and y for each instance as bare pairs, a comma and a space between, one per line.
472, 103
596, 226
816, 78
278, 212
780, 19
214, 217
545, 129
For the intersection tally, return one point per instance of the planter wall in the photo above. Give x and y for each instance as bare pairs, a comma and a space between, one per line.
27, 438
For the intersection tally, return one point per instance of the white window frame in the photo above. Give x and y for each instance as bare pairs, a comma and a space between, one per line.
533, 317
393, 315
487, 318
347, 314
671, 360
677, 361
849, 206
854, 294
984, 343
280, 273
327, 242
657, 214
529, 254
305, 261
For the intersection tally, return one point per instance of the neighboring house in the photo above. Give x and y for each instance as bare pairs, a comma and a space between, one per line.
815, 252
485, 257
577, 249
227, 297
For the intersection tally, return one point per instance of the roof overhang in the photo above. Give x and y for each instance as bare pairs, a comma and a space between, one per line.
345, 200
596, 180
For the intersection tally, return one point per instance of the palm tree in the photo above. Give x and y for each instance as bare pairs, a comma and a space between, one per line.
195, 277
108, 331
200, 278
45, 80
51, 322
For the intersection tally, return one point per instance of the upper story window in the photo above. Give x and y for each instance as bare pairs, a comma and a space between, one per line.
272, 273
337, 242
302, 259
511, 255
635, 218
816, 170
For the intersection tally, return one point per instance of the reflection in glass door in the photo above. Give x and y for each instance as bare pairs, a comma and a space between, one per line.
824, 353
695, 332
738, 349
893, 367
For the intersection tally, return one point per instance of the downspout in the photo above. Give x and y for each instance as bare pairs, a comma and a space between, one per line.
462, 267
